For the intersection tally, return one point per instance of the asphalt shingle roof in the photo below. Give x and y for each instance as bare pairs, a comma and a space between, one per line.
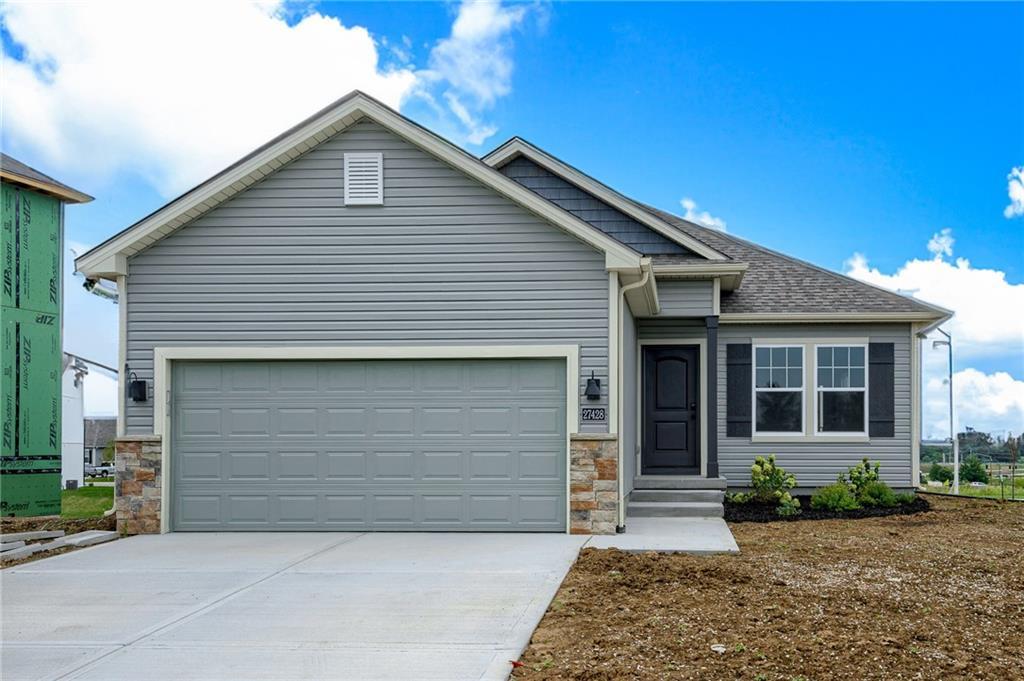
16, 167
775, 282
100, 432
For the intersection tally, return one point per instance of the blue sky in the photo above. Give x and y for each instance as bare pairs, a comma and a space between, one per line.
823, 131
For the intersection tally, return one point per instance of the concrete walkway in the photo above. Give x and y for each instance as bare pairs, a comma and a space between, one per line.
698, 536
282, 606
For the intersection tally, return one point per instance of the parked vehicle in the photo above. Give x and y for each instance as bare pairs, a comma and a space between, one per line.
103, 470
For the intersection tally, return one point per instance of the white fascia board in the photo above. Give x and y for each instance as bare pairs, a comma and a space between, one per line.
822, 317
730, 274
246, 172
518, 147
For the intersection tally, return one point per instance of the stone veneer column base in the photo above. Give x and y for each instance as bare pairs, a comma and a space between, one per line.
593, 483
137, 484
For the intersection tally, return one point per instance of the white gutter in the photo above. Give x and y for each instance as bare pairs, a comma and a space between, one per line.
647, 275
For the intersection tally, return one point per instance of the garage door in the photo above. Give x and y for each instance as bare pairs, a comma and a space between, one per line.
445, 445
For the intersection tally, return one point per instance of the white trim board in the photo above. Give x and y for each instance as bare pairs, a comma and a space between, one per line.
702, 344
102, 261
520, 147
162, 388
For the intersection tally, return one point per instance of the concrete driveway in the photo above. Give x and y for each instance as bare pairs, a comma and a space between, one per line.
282, 606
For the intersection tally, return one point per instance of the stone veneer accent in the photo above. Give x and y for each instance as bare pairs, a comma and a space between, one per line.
137, 484
593, 483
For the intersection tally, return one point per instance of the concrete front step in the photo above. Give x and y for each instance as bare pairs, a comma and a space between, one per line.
678, 482
674, 509
714, 496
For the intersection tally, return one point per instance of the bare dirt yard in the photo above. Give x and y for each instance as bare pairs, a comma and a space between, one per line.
936, 595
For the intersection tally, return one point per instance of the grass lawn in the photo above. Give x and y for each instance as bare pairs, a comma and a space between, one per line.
936, 595
989, 491
86, 502
106, 479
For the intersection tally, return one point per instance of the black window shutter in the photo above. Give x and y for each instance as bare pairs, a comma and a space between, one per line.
738, 409
881, 390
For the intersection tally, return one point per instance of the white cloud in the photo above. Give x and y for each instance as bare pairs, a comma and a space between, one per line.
988, 321
175, 92
1015, 190
473, 66
987, 326
992, 403
700, 217
942, 243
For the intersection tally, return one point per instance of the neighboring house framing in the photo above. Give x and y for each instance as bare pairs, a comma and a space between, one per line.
361, 326
100, 433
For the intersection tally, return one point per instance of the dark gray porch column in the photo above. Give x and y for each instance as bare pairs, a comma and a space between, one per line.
712, 397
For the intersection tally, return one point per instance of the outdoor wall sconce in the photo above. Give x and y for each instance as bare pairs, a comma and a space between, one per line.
593, 391
136, 388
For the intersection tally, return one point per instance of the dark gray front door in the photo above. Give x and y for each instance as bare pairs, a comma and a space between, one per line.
449, 445
671, 404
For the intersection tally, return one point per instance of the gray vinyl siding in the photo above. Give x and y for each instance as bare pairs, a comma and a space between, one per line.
686, 298
445, 261
817, 463
589, 208
630, 380
667, 328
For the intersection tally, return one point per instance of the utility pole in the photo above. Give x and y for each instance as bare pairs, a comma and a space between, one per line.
954, 441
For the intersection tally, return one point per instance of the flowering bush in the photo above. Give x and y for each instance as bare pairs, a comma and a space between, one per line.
770, 484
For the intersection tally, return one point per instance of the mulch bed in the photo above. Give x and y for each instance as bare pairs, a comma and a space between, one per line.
53, 522
764, 513
934, 595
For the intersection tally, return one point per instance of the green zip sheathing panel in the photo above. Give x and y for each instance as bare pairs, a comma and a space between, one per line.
29, 491
31, 383
31, 244
30, 370
30, 352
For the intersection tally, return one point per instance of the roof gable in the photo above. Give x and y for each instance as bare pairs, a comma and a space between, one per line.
778, 284
588, 207
14, 171
109, 258
517, 147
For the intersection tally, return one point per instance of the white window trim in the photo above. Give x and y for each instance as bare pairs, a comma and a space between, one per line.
755, 390
867, 394
809, 404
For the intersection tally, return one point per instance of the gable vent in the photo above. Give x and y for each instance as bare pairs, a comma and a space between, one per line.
364, 179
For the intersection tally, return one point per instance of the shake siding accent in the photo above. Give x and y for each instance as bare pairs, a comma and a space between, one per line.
817, 463
662, 328
629, 434
683, 298
443, 261
589, 208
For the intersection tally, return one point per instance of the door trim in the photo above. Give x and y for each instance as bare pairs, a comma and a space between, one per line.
163, 356
702, 381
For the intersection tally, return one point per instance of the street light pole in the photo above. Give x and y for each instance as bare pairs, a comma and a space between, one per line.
954, 441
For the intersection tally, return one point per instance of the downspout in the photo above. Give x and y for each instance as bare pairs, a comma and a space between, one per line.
646, 271
96, 287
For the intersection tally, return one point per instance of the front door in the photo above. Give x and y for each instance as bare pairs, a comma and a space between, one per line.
671, 404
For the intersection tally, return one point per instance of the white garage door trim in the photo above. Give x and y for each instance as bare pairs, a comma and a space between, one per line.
163, 356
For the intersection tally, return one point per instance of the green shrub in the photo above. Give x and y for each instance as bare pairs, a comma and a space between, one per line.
769, 481
905, 498
877, 493
861, 475
972, 470
738, 497
940, 473
835, 497
788, 506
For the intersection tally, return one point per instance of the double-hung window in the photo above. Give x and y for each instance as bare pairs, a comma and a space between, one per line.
778, 389
841, 392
